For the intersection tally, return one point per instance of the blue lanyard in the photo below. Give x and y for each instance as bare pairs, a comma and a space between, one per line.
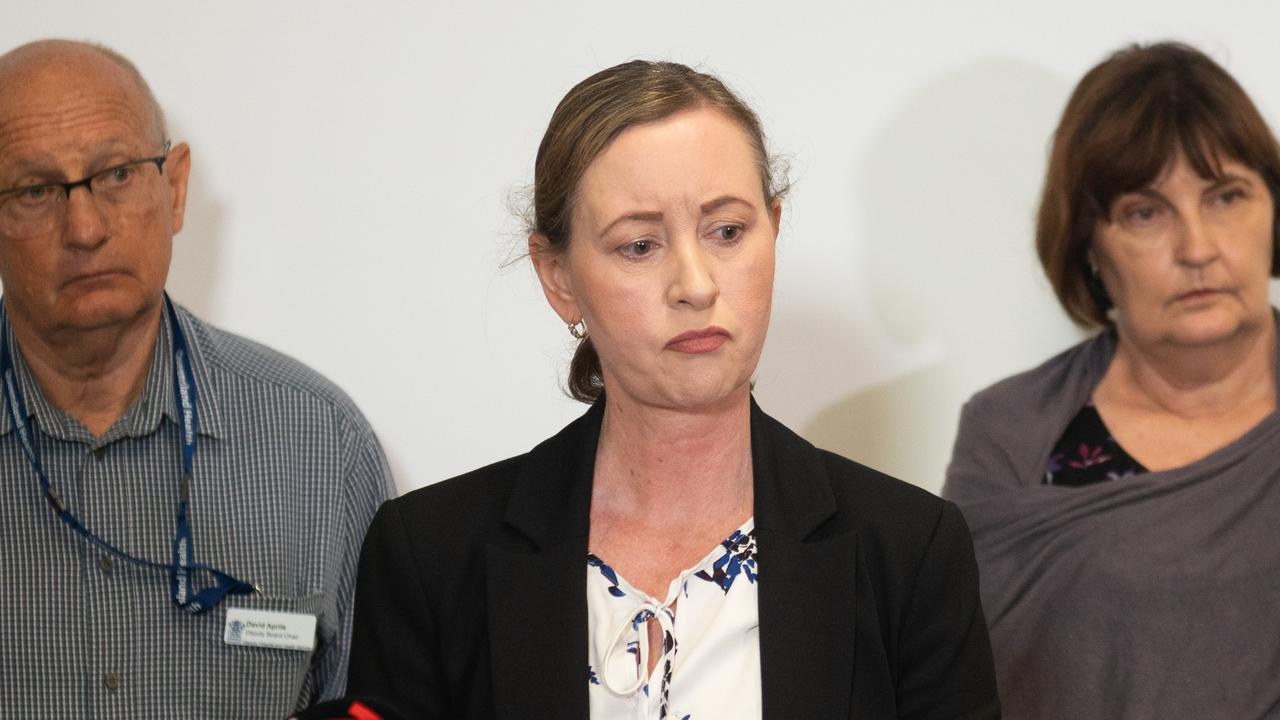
183, 567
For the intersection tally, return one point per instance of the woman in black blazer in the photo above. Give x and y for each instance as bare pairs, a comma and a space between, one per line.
754, 575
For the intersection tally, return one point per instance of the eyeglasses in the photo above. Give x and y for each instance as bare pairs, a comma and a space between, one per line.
34, 209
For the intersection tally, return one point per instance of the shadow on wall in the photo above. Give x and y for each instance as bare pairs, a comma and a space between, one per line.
196, 274
195, 271
950, 191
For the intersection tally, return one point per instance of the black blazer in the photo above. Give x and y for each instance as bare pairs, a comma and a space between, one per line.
471, 600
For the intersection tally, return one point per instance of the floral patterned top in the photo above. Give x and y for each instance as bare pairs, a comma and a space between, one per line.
709, 666
1086, 453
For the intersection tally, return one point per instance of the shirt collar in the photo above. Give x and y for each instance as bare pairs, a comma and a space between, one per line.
156, 402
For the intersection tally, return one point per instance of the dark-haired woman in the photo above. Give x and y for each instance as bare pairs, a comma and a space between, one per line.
1125, 496
675, 552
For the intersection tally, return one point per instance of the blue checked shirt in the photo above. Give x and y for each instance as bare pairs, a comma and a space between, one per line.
288, 475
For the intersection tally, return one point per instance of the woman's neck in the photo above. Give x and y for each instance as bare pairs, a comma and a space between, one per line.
667, 465
1197, 382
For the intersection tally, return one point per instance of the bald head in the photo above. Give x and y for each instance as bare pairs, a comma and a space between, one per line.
27, 64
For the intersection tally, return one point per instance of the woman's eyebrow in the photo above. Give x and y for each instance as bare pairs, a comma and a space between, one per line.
1227, 179
713, 205
652, 216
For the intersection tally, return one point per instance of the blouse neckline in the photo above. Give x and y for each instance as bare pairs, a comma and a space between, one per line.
621, 613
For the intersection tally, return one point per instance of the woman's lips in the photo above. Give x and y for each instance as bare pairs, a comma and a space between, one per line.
696, 342
1198, 294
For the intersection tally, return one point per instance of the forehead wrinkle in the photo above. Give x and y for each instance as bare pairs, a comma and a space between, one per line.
630, 178
73, 114
39, 132
68, 75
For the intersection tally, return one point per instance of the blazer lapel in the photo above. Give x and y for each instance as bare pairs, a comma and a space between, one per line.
538, 652
536, 591
807, 579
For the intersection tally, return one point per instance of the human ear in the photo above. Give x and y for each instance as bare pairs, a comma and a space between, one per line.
176, 170
551, 264
775, 214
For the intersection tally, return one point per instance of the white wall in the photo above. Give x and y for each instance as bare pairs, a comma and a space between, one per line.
352, 166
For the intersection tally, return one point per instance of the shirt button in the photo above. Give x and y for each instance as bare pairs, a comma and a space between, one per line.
111, 680
105, 562
100, 453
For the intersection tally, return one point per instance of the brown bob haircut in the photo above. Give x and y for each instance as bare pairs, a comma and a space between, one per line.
587, 119
1126, 121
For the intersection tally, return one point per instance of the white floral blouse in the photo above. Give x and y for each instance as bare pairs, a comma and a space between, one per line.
709, 664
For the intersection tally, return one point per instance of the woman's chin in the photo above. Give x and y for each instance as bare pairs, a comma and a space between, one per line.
706, 395
1210, 329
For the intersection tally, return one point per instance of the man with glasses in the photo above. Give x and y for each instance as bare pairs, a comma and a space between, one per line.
181, 509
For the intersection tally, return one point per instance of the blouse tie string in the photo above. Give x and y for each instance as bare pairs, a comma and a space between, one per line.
632, 636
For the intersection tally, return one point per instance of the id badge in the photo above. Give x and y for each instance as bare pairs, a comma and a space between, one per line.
269, 629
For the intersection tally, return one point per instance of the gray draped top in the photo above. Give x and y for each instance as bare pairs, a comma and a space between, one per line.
1154, 596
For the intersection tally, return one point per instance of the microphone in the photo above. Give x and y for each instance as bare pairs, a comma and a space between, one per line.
348, 708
